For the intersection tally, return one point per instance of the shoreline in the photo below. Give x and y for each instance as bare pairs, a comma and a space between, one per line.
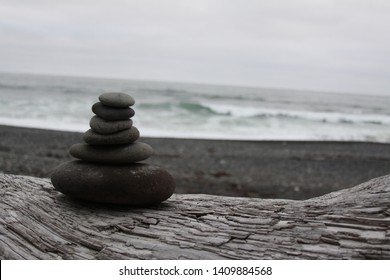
248, 168
82, 128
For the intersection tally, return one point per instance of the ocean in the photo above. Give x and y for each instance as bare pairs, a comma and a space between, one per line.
183, 110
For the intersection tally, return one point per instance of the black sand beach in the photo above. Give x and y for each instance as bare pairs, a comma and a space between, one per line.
267, 169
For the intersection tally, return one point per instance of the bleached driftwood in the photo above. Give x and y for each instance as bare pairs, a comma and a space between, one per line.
37, 222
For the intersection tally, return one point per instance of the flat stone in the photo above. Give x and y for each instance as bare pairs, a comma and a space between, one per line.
116, 99
102, 126
120, 154
122, 137
133, 184
110, 113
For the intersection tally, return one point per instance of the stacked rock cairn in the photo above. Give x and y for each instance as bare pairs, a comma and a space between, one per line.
108, 168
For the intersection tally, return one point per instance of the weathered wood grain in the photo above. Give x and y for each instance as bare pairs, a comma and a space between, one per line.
37, 222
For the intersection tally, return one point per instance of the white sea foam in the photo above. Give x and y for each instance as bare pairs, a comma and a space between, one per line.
335, 117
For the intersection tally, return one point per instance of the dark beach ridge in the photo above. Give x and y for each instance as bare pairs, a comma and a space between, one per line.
266, 169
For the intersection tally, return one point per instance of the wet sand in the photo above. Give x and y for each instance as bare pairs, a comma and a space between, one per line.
267, 169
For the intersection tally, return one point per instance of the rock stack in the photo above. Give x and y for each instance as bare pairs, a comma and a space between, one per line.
107, 169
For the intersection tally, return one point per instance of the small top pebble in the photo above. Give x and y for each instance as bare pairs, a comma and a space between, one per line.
116, 99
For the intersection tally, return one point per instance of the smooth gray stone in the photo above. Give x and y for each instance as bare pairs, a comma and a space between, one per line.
110, 113
122, 154
102, 126
132, 184
122, 137
116, 99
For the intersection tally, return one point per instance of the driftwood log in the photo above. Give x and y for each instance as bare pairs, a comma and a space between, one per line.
37, 222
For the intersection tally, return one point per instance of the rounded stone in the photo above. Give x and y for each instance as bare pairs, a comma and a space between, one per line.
102, 126
110, 113
121, 154
133, 184
122, 137
116, 99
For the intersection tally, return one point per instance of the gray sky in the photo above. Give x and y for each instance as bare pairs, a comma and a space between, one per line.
336, 45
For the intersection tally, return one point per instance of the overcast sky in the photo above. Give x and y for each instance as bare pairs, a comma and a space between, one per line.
336, 45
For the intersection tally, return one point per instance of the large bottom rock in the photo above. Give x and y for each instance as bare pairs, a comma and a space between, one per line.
132, 184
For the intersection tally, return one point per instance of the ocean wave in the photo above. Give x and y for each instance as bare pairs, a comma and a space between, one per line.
189, 107
285, 114
327, 117
196, 111
233, 111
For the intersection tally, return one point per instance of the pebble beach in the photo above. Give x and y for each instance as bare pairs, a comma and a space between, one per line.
265, 169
